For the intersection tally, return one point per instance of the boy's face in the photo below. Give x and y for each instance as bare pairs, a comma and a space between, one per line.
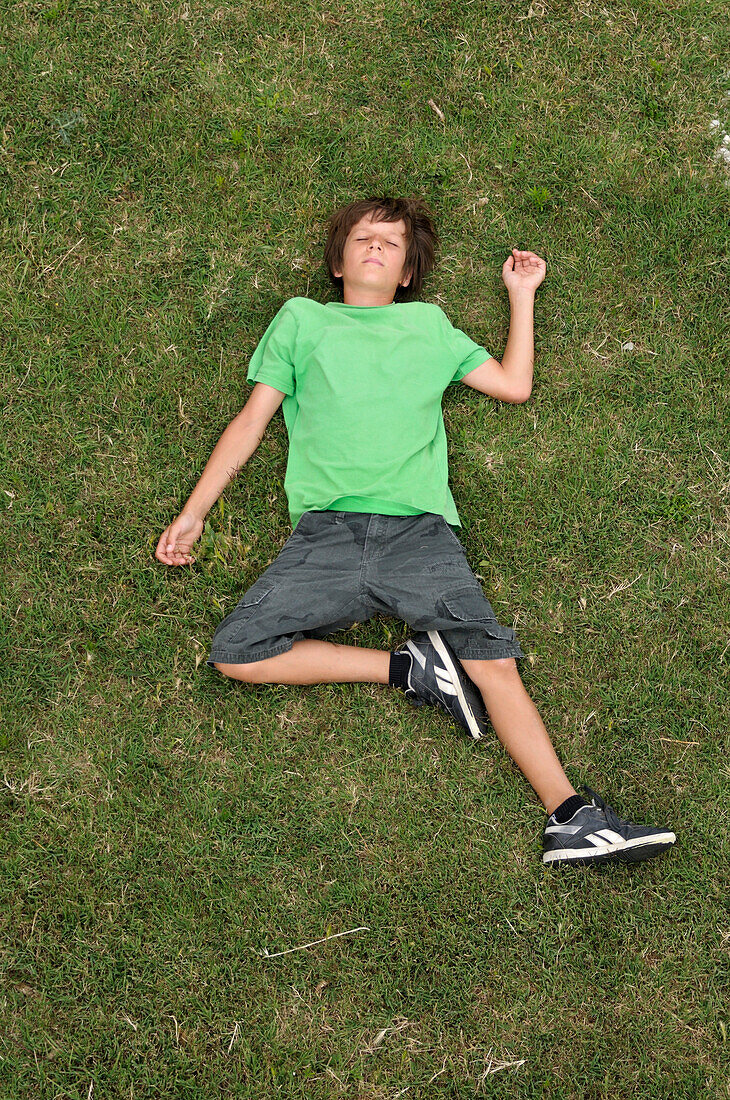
374, 257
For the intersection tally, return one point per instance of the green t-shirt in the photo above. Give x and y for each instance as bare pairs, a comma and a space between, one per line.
363, 406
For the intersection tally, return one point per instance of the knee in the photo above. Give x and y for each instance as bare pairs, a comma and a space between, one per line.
504, 666
502, 669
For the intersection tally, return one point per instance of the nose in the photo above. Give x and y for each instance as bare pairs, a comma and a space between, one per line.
377, 245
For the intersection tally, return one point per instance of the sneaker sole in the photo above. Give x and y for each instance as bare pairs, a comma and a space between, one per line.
438, 644
631, 852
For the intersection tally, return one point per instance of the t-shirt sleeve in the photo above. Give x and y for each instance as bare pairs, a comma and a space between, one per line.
273, 359
466, 353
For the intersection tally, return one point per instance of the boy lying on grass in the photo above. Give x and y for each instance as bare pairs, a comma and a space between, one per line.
361, 382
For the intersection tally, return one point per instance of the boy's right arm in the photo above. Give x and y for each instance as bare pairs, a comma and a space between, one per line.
233, 450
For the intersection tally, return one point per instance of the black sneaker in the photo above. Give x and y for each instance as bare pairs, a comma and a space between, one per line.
596, 834
436, 678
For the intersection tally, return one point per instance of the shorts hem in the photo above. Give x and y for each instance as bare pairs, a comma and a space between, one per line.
227, 658
494, 653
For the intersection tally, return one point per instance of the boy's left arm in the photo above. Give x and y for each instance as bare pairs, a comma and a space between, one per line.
511, 380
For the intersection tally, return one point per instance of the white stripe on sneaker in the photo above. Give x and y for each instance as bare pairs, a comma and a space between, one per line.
567, 830
420, 657
472, 726
610, 836
445, 685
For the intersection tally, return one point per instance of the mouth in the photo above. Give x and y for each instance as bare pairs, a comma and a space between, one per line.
373, 262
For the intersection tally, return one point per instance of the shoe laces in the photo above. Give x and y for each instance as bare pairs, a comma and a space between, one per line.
618, 824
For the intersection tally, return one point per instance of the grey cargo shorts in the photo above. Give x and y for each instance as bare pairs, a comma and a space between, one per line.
339, 568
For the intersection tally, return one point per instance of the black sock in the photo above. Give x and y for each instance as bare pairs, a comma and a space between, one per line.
566, 809
400, 664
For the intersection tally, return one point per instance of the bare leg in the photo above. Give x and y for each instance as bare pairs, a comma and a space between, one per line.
520, 728
512, 713
310, 661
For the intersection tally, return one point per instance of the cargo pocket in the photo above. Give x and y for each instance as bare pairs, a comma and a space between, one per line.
477, 634
468, 604
237, 621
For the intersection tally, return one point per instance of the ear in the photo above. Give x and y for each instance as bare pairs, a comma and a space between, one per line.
406, 281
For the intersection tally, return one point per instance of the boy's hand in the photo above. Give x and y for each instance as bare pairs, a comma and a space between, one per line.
176, 541
523, 271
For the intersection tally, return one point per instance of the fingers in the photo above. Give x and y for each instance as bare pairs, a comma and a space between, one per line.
174, 557
179, 557
527, 257
169, 553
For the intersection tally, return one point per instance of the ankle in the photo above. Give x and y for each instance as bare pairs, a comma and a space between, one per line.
566, 809
400, 664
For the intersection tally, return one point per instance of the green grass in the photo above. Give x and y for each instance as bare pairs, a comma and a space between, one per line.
167, 172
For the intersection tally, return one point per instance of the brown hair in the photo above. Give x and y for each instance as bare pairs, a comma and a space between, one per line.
421, 237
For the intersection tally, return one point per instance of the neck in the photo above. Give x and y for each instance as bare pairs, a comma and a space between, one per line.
365, 300
355, 296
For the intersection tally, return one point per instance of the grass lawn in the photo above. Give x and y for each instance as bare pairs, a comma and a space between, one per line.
166, 172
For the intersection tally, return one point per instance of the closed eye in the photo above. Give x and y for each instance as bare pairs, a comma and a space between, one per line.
393, 243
